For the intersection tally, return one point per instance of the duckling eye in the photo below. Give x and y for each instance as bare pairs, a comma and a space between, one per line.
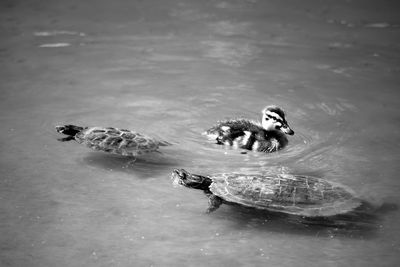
268, 117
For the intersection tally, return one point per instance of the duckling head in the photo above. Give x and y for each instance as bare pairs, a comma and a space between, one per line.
273, 119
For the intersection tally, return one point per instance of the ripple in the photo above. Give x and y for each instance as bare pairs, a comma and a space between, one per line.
231, 54
335, 107
378, 25
57, 32
230, 28
54, 45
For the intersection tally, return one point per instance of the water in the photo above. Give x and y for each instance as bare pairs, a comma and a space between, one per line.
171, 69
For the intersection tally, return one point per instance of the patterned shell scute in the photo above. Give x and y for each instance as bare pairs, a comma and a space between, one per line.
117, 141
294, 194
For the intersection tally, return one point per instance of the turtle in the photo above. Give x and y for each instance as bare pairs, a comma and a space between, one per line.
109, 139
300, 195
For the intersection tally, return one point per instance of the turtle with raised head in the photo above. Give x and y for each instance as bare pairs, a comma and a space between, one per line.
113, 140
293, 194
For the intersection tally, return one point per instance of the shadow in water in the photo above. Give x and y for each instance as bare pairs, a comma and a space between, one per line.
362, 223
146, 166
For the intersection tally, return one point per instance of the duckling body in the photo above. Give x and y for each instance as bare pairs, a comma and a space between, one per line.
267, 136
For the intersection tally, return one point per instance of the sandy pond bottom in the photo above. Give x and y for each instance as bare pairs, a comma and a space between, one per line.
171, 69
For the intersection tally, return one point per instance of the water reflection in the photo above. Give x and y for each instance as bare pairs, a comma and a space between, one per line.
146, 166
364, 222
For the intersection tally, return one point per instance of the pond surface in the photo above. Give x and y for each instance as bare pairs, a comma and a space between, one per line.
171, 69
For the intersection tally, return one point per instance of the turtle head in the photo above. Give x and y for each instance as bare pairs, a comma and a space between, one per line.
68, 129
185, 178
273, 119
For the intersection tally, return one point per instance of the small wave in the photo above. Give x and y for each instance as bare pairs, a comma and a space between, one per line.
335, 108
54, 45
55, 32
378, 25
232, 54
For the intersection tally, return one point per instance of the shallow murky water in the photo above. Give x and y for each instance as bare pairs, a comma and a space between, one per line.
171, 69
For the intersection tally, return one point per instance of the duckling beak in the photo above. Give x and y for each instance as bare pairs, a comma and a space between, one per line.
287, 130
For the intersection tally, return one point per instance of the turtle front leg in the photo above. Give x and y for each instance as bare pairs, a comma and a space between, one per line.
213, 203
66, 139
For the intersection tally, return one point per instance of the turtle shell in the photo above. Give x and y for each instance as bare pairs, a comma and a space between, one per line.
293, 194
116, 141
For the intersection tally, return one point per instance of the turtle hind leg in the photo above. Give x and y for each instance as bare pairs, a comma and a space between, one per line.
213, 203
131, 162
164, 143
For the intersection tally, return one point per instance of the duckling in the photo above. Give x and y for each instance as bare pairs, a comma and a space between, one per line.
267, 136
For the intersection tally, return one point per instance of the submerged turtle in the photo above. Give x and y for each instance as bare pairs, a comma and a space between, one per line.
293, 194
112, 140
